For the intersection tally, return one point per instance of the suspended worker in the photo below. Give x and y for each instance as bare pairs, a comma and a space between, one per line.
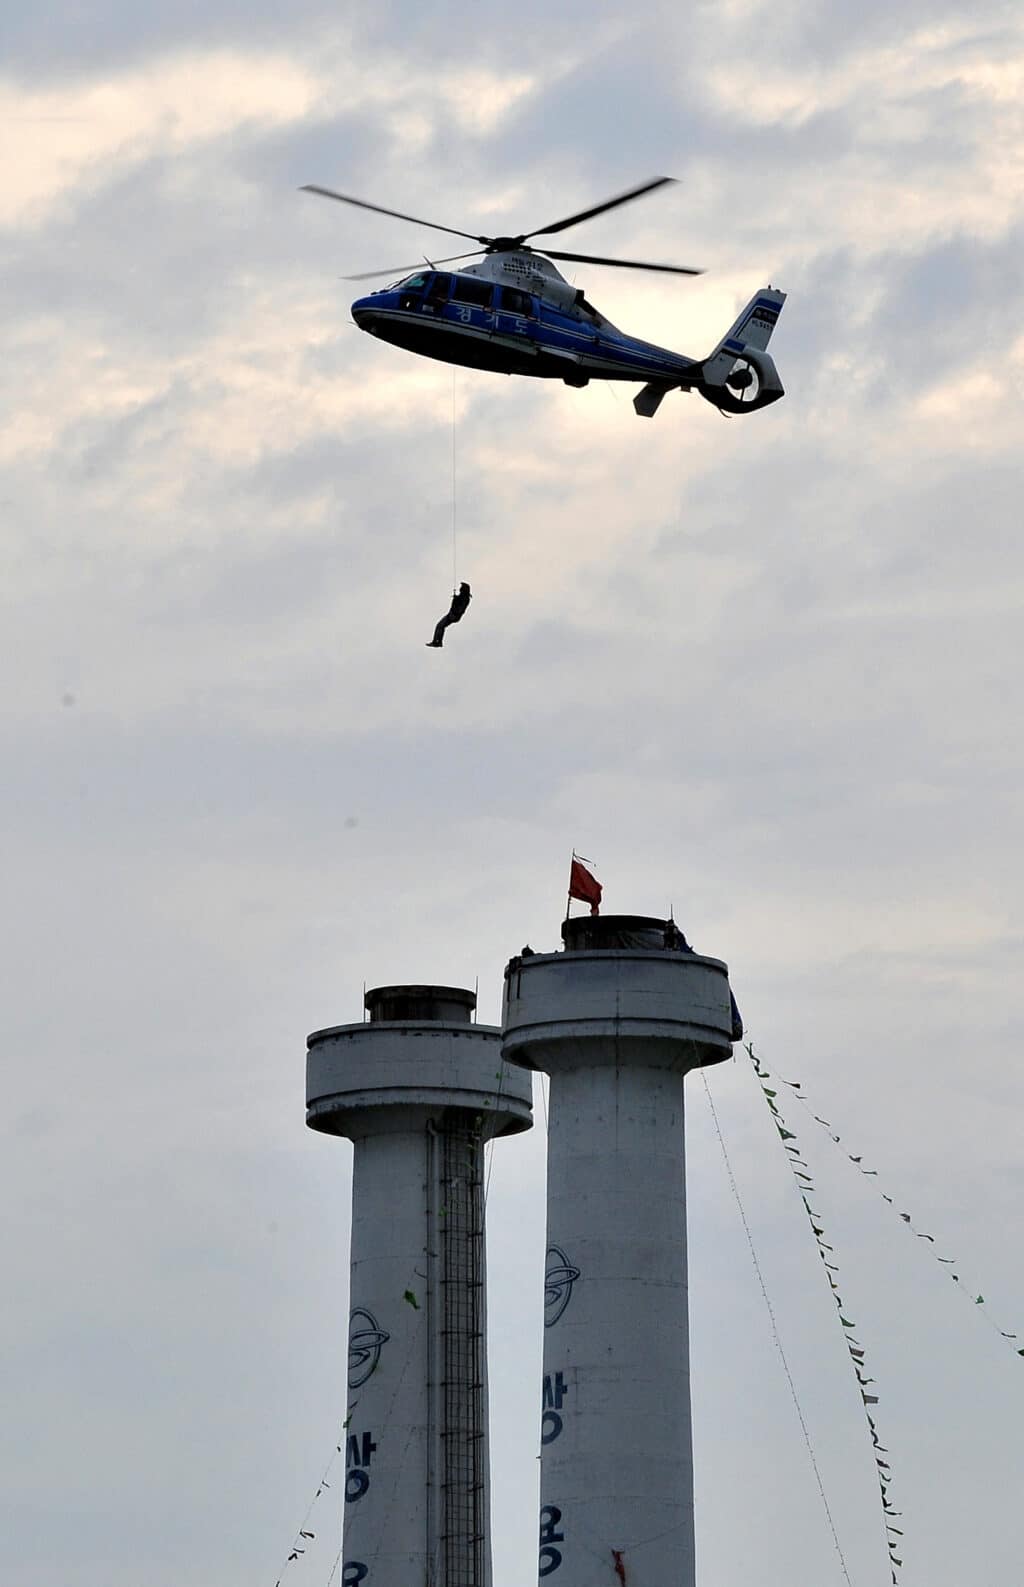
454, 614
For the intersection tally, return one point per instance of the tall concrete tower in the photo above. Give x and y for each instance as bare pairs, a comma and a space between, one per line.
616, 1019
418, 1089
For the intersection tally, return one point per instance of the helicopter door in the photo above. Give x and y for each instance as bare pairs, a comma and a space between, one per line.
470, 295
516, 312
437, 293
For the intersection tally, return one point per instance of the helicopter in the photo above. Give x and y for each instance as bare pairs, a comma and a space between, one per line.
516, 314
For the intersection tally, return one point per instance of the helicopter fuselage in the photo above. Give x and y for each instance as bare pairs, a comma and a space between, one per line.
514, 313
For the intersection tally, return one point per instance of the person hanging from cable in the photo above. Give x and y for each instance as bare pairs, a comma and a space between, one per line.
454, 614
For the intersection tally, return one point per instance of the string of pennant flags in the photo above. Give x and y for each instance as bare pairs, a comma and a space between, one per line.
805, 1185
949, 1264
305, 1533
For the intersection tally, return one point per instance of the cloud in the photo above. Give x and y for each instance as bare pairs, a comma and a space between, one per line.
762, 671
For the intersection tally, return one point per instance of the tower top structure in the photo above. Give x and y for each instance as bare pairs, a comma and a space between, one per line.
627, 979
419, 1050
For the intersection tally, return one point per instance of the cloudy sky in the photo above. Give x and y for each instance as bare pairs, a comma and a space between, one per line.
766, 670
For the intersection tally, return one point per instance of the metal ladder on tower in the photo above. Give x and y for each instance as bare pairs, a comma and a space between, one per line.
462, 1429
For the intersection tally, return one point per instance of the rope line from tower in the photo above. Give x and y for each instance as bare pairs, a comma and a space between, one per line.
775, 1333
305, 1533
974, 1298
805, 1187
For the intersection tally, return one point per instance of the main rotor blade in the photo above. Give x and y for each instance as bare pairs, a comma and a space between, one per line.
401, 270
599, 209
623, 264
396, 214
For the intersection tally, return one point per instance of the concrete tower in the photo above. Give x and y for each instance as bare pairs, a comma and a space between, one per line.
616, 1020
418, 1089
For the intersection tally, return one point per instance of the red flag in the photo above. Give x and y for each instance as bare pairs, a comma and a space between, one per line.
584, 886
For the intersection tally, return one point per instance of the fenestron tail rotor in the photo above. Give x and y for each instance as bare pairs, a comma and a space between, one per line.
520, 242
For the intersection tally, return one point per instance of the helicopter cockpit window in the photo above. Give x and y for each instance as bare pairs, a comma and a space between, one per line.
411, 291
515, 302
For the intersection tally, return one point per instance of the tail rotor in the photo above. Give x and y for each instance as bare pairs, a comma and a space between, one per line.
739, 376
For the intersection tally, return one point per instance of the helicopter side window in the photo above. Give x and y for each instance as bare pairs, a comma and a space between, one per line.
439, 289
468, 289
515, 302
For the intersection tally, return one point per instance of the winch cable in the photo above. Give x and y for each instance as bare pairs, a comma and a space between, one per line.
455, 570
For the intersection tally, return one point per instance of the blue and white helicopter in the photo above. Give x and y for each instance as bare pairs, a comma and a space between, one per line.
515, 313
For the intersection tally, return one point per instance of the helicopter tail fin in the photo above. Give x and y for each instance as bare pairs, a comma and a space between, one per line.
739, 376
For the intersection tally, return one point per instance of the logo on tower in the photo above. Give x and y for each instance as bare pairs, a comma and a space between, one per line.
559, 1278
365, 1342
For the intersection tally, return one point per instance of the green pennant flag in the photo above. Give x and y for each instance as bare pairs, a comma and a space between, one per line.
847, 1324
769, 1093
979, 1300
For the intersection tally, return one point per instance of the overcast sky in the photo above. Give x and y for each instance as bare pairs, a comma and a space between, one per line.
766, 670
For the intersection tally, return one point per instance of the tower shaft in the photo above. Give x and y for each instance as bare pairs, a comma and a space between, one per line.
419, 1098
616, 1463
616, 1021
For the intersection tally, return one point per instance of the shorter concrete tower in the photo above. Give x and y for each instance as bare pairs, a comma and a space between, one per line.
418, 1090
616, 1020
